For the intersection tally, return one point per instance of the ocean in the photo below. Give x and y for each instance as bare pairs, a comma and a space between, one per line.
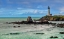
27, 31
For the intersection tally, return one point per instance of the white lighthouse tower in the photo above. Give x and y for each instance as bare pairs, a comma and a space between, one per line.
49, 11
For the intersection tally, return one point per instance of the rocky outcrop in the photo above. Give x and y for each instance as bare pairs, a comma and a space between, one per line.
53, 18
60, 25
29, 19
25, 22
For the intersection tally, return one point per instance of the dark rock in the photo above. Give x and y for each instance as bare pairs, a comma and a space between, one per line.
14, 26
53, 37
14, 33
18, 26
11, 34
29, 19
16, 22
60, 25
39, 33
61, 32
29, 22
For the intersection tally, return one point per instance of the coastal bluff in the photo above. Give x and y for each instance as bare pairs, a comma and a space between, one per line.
53, 18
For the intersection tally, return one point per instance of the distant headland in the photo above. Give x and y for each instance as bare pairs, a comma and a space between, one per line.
49, 17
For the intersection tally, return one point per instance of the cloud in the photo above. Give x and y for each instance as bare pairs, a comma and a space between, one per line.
31, 11
21, 11
35, 11
61, 10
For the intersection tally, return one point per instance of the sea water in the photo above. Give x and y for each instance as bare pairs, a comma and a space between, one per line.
28, 31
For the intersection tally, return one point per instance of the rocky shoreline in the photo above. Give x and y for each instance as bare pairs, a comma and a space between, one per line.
30, 21
41, 21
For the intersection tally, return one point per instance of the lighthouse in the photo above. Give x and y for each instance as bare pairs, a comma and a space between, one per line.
49, 11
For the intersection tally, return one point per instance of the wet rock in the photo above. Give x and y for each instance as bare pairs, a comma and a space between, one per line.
39, 33
53, 37
11, 34
60, 25
14, 26
61, 32
14, 33
18, 26
30, 21
29, 18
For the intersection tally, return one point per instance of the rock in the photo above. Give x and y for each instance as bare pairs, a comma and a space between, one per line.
61, 32
53, 37
14, 33
60, 25
14, 26
39, 33
29, 19
18, 26
24, 22
11, 34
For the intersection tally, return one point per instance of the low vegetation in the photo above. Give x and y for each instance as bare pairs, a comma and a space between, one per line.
54, 18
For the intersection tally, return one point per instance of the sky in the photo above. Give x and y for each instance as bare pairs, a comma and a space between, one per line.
33, 8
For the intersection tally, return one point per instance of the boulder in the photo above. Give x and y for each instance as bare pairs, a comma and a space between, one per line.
14, 26
53, 37
18, 26
60, 25
61, 32
29, 18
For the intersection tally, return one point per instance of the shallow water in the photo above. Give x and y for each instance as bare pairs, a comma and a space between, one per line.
28, 31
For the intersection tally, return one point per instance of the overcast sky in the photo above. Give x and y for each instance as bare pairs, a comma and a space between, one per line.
34, 8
